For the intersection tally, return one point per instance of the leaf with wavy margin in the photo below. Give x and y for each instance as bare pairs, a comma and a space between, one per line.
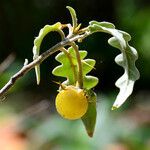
37, 44
65, 69
126, 59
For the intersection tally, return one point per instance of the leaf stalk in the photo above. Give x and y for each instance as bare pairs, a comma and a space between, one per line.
80, 74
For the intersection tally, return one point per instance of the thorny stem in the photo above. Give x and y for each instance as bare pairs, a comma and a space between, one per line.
26, 68
80, 74
71, 62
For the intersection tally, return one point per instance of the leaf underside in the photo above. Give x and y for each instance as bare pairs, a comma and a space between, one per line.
126, 59
66, 69
37, 44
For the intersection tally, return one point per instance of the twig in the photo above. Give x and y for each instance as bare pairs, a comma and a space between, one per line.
26, 68
7, 62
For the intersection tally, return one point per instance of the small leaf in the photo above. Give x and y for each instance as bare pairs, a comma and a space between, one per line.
126, 59
90, 82
37, 44
74, 17
89, 119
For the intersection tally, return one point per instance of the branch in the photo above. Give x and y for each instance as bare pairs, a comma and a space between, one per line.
27, 67
7, 62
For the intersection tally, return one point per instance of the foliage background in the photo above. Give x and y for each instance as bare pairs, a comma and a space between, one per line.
126, 128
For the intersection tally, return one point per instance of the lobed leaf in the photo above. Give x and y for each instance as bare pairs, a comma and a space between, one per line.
66, 69
126, 59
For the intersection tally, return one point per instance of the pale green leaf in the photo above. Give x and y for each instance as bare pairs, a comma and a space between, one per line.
73, 16
126, 59
37, 44
90, 82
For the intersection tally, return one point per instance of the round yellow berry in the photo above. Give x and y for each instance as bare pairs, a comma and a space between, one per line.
71, 103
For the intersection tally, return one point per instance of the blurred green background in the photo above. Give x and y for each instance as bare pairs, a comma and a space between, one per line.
29, 109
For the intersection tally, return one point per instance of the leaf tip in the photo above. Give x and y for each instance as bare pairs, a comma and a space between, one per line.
114, 107
38, 82
37, 72
70, 8
90, 134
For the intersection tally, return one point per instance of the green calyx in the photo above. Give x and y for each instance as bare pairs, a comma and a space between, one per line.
89, 119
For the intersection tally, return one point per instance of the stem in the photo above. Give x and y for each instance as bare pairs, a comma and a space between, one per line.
26, 68
80, 74
7, 62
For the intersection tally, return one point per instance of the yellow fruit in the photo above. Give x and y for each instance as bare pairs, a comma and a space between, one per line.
71, 103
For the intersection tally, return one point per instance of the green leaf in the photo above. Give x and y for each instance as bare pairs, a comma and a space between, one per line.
37, 44
89, 119
90, 82
66, 69
73, 16
126, 59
